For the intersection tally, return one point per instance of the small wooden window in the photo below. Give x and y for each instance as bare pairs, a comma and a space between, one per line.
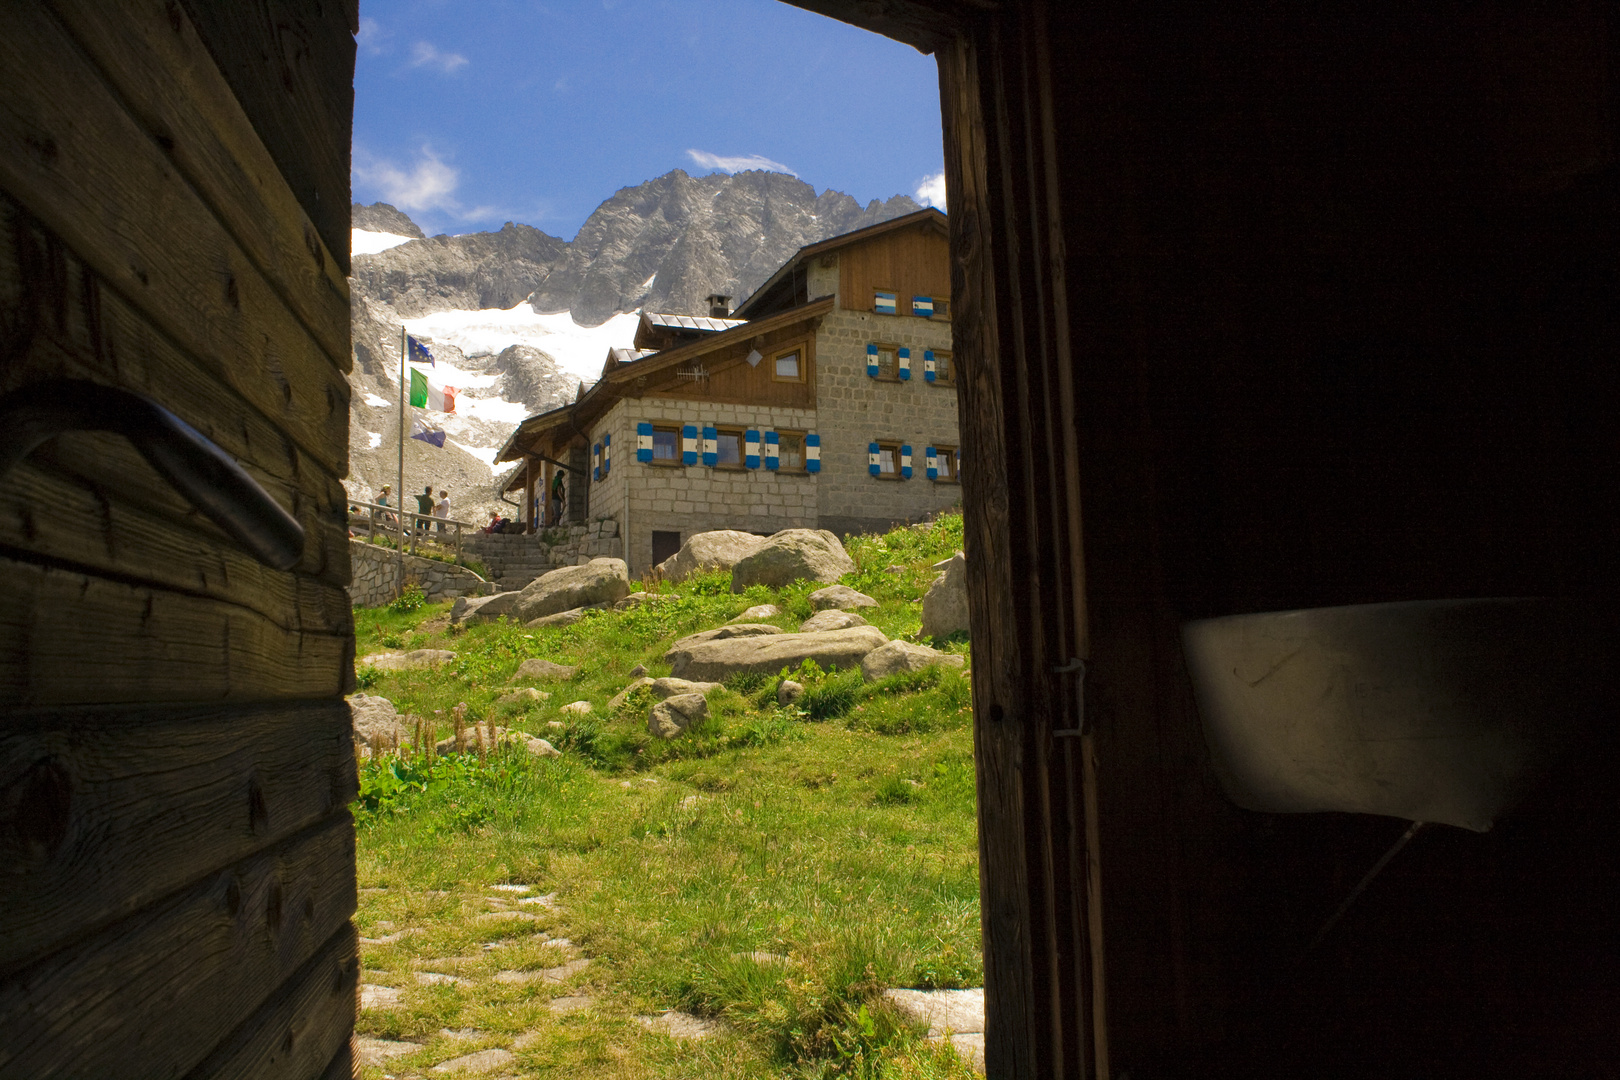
788, 366
942, 308
948, 460
790, 451
944, 368
888, 363
666, 445
888, 461
728, 448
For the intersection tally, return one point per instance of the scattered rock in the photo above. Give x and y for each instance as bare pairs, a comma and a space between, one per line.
672, 716
788, 691
562, 618
718, 660
380, 997
476, 737
464, 1034
556, 725
574, 1003
684, 646
639, 671
840, 598
830, 620
762, 958
415, 660
957, 1010
679, 1025
439, 978
622, 696
945, 605
542, 748
758, 612
547, 901
565, 972
598, 581
473, 610
505, 916
523, 695
376, 718
631, 602
894, 568
537, 668
506, 887
661, 689
578, 708
720, 549
898, 656
389, 939
484, 1061
969, 1046
378, 1052
793, 555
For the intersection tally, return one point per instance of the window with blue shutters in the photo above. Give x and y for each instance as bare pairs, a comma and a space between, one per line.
644, 441
929, 374
596, 461
884, 302
689, 444
751, 449
931, 461
812, 452
871, 360
873, 464
946, 460
883, 362
607, 454
922, 307
711, 445
883, 460
905, 462
773, 457
903, 363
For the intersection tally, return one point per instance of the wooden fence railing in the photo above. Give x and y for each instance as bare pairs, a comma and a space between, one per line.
375, 518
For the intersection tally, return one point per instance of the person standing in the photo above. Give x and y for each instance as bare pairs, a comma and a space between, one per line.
424, 507
441, 510
382, 500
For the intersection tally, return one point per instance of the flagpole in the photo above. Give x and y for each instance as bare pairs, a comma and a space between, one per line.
399, 556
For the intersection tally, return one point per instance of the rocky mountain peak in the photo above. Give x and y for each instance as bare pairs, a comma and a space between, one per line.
382, 217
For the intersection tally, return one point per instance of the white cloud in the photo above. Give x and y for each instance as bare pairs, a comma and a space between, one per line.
371, 37
931, 190
737, 164
429, 185
426, 55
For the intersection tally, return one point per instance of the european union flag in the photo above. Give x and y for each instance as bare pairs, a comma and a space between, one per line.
419, 352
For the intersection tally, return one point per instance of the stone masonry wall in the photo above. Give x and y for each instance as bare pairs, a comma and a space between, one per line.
696, 498
856, 410
514, 560
374, 582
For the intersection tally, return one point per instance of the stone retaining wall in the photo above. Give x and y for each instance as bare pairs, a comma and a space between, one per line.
374, 581
512, 561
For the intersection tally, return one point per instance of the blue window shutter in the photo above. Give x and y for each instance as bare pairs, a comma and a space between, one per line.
905, 462
871, 361
928, 365
596, 461
607, 454
884, 303
711, 445
872, 466
905, 363
922, 307
643, 441
931, 458
751, 449
812, 452
773, 450
689, 445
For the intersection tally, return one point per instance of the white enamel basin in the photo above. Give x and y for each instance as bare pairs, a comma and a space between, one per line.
1436, 710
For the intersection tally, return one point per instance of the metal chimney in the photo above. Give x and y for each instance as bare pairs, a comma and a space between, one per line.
719, 306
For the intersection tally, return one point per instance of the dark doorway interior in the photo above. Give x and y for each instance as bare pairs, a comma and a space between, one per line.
664, 545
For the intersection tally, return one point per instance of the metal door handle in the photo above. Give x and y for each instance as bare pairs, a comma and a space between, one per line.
205, 475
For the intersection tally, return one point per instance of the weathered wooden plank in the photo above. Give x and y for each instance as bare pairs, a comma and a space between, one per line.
343, 1066
122, 522
126, 807
291, 65
101, 182
296, 1034
149, 51
68, 638
66, 323
149, 996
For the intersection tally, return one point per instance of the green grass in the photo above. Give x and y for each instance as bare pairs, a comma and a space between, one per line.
839, 834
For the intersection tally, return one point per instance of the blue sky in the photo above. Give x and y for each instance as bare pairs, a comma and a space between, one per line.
468, 115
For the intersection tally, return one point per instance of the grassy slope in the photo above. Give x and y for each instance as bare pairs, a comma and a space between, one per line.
846, 845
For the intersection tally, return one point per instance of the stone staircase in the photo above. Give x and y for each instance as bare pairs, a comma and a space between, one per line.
512, 561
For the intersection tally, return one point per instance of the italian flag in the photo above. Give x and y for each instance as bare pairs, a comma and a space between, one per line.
424, 395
